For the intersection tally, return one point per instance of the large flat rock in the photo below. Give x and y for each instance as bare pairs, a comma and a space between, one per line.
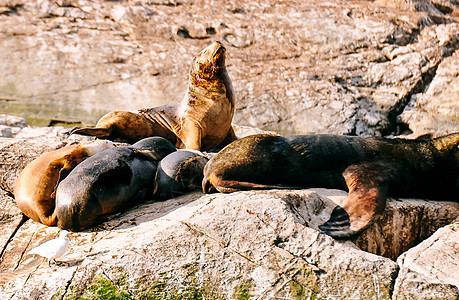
262, 243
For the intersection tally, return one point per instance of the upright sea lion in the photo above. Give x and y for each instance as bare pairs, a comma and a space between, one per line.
108, 181
35, 187
178, 173
201, 121
370, 168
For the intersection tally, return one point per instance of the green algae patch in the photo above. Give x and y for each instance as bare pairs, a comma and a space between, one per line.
242, 290
103, 288
185, 283
100, 288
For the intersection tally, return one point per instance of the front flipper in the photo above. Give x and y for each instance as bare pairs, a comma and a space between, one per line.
368, 185
190, 134
102, 133
216, 184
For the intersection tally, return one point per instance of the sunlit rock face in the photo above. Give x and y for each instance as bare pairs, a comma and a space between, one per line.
347, 67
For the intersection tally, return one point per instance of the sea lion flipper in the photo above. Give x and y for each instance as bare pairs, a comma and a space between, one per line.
97, 132
368, 185
216, 183
190, 134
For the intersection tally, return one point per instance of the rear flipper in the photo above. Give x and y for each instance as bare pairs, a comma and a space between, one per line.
368, 185
102, 133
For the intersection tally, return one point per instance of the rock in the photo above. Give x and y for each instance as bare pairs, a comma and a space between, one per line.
13, 121
437, 109
6, 131
346, 67
404, 224
411, 5
260, 243
252, 243
431, 269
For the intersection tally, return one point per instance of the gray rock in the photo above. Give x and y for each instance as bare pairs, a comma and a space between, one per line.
431, 269
13, 121
248, 243
6, 131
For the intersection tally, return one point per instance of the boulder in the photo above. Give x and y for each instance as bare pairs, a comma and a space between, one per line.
431, 269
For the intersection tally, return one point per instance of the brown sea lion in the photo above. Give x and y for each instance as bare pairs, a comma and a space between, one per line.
201, 121
35, 187
371, 169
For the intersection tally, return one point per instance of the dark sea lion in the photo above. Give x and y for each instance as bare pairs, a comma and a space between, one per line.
178, 173
371, 169
108, 182
202, 121
35, 187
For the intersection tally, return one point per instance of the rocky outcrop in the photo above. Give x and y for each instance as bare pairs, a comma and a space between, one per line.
259, 244
346, 67
430, 270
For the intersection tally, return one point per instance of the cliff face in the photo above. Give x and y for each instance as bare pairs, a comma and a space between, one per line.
347, 67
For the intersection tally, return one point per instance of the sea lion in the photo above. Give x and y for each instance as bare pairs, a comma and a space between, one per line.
35, 187
202, 121
108, 181
371, 169
178, 173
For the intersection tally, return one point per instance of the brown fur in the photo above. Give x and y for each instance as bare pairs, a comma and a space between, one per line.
201, 121
35, 187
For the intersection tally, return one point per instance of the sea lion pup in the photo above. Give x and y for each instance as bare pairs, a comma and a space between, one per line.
202, 121
178, 173
108, 182
370, 169
35, 187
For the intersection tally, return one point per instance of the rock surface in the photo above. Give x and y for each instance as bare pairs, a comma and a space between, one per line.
431, 269
260, 244
346, 67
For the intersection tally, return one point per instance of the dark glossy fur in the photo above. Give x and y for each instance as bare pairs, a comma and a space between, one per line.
370, 168
108, 182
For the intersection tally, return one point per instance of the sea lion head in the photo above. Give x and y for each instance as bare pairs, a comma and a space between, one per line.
208, 63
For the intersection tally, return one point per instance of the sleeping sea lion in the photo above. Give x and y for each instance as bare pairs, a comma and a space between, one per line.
35, 187
108, 181
178, 173
371, 169
201, 121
